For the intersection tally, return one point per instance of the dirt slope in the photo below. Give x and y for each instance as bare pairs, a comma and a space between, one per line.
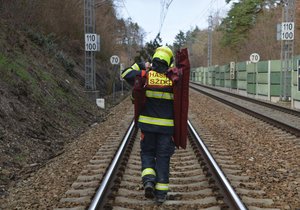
43, 105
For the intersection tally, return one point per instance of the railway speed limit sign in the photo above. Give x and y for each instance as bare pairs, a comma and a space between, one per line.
114, 60
92, 42
254, 57
287, 30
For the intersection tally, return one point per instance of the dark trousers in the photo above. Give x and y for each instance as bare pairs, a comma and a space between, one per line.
156, 151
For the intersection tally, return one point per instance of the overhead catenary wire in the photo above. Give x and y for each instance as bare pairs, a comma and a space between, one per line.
167, 6
202, 12
126, 10
164, 9
207, 11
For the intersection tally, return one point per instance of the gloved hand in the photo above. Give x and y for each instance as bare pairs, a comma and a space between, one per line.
147, 65
174, 74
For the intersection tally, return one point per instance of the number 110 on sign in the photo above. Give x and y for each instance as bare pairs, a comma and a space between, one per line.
287, 31
92, 42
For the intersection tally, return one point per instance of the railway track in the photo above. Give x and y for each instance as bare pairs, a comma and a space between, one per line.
196, 181
243, 162
194, 184
281, 117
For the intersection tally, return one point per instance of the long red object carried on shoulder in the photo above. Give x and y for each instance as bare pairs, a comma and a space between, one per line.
180, 76
139, 96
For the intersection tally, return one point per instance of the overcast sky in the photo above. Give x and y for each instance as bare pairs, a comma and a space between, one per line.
181, 15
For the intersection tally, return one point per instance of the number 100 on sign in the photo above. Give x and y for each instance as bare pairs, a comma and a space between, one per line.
92, 42
287, 31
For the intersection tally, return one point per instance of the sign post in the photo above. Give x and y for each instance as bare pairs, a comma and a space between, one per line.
122, 80
114, 60
298, 75
254, 58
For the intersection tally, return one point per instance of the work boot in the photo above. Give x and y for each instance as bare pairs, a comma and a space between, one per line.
160, 199
149, 190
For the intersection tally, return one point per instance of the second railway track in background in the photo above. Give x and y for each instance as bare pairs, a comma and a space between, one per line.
281, 117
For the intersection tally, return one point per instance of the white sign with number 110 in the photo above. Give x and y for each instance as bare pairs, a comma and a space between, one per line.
287, 30
92, 42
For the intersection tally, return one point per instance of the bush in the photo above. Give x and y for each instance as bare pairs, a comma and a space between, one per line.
45, 41
67, 62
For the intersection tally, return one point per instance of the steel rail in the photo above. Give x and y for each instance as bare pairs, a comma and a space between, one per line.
100, 194
230, 197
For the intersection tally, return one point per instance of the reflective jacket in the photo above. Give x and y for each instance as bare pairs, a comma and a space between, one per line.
158, 113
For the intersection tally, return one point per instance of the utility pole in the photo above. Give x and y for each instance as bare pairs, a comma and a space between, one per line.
90, 61
287, 48
209, 45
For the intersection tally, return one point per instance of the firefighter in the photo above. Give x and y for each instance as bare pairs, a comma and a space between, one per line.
156, 122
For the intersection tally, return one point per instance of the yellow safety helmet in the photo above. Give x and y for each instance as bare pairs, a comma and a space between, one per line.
164, 53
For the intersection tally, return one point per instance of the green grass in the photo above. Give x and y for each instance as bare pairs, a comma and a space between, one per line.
3, 60
45, 76
20, 158
39, 84
23, 75
17, 67
15, 71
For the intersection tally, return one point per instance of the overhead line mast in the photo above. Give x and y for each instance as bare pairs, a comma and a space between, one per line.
287, 51
90, 61
209, 45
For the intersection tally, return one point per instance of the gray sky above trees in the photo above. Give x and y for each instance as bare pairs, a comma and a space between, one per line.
180, 15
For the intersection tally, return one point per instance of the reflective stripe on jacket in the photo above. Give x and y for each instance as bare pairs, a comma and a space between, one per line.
156, 121
159, 95
130, 73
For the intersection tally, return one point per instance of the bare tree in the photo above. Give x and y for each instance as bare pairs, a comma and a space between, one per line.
262, 37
